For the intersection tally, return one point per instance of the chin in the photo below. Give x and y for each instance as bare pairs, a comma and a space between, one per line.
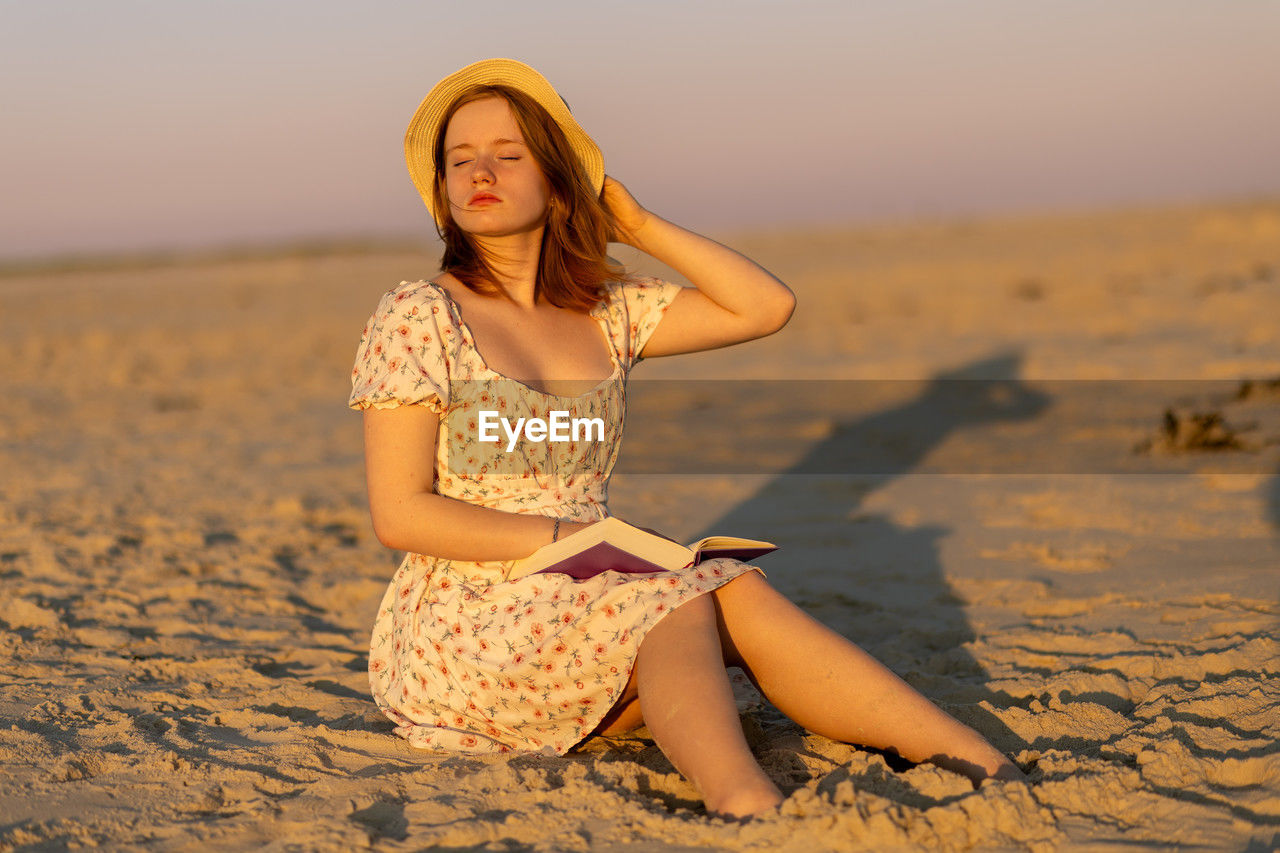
492, 229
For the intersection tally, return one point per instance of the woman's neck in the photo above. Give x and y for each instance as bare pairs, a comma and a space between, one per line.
514, 259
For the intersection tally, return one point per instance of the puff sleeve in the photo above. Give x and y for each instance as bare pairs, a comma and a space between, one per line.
405, 352
641, 303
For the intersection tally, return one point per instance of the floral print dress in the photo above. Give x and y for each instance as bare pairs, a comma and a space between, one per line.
461, 658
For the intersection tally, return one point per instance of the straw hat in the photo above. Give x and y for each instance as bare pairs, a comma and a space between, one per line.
420, 138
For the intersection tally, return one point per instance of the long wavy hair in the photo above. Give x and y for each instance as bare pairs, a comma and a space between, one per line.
573, 265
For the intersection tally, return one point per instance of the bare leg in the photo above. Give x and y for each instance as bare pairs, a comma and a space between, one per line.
831, 687
689, 708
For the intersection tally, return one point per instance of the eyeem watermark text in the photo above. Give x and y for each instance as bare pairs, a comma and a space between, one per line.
558, 427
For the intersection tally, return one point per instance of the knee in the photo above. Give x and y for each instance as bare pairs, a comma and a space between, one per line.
697, 615
746, 586
747, 602
698, 610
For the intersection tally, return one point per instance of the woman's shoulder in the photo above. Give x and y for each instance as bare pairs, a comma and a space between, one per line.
633, 289
415, 302
417, 314
414, 293
639, 294
634, 305
408, 351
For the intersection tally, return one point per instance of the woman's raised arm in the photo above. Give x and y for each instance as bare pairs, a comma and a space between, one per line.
399, 452
735, 299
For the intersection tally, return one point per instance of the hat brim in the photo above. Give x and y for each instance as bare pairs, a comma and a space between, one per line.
420, 138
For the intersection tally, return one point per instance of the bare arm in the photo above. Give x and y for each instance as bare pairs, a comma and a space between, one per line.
399, 450
735, 299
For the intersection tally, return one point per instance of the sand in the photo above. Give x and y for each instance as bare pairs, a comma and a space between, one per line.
1078, 555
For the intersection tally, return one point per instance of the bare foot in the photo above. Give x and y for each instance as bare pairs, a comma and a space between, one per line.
745, 803
1009, 772
988, 763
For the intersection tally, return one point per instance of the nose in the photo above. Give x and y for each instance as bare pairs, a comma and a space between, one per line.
481, 173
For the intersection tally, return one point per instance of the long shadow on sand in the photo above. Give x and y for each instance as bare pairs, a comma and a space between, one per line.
879, 580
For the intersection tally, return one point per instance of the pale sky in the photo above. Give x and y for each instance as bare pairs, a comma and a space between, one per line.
132, 125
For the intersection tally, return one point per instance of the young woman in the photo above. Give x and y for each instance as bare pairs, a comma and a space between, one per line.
529, 317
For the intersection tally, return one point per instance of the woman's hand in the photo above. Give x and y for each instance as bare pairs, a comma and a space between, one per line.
628, 216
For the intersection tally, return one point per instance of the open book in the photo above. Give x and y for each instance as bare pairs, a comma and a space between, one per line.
614, 545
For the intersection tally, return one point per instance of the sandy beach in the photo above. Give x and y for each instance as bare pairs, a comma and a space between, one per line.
1017, 460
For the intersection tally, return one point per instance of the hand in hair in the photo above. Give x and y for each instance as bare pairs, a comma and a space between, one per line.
628, 216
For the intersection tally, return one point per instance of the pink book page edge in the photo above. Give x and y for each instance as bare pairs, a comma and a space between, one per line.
602, 557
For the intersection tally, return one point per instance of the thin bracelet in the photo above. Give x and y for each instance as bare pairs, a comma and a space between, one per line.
555, 531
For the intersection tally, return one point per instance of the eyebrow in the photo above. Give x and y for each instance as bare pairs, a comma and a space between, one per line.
495, 142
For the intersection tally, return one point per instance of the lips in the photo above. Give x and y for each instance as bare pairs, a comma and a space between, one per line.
481, 199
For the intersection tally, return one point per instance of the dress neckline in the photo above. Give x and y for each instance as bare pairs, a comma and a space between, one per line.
596, 313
